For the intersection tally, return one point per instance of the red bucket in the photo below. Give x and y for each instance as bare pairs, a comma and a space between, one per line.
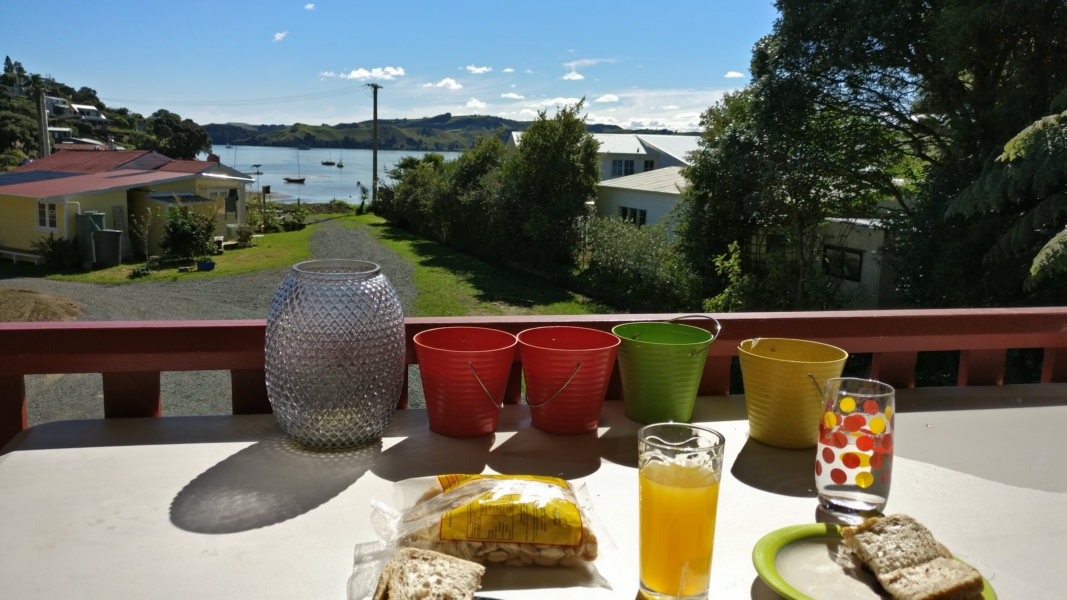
464, 374
567, 370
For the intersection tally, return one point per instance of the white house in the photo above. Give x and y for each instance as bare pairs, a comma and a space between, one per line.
90, 114
642, 198
59, 134
59, 108
623, 154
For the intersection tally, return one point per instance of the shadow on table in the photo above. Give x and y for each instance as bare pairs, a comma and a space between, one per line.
266, 483
533, 452
762, 591
783, 472
432, 454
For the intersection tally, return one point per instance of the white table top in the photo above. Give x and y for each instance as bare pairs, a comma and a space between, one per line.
225, 507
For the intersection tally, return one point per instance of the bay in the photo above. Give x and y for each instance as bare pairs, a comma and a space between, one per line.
322, 183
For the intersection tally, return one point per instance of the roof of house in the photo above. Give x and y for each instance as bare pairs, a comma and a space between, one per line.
667, 180
96, 162
85, 107
78, 184
187, 166
70, 146
17, 177
678, 146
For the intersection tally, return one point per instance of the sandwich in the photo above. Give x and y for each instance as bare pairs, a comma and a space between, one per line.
909, 563
414, 573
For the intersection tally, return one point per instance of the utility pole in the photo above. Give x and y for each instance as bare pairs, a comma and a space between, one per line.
374, 182
42, 124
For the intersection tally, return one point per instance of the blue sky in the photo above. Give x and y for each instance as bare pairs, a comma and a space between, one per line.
638, 64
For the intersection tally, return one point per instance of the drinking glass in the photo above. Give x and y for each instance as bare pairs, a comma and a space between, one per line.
680, 466
853, 465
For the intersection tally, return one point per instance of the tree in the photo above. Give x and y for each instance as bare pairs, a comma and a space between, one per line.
187, 233
86, 95
771, 165
177, 138
954, 80
549, 179
142, 226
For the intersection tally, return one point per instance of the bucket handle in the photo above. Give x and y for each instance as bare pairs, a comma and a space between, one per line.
569, 379
718, 329
491, 399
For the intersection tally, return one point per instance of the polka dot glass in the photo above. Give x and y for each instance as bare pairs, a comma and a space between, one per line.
854, 458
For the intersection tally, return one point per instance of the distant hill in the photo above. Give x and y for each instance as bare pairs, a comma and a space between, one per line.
441, 133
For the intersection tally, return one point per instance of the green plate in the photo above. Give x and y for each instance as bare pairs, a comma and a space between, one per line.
813, 557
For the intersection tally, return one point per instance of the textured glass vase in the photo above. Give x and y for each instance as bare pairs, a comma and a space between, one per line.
335, 353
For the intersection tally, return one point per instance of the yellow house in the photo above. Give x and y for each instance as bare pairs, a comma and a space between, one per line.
47, 199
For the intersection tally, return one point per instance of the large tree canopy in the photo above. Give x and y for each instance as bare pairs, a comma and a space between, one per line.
175, 137
954, 80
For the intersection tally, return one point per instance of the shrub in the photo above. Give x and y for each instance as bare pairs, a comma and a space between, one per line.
139, 272
187, 233
244, 234
635, 267
56, 252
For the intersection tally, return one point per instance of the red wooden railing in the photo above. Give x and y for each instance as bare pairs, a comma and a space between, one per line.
131, 354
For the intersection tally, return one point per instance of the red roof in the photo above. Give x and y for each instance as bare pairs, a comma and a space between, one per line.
93, 147
187, 166
90, 183
84, 162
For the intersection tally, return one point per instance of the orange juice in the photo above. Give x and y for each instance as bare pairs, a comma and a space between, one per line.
678, 504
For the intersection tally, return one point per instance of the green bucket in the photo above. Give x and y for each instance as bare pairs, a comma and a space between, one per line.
661, 364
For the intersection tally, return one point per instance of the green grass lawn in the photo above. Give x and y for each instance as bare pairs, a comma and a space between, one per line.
452, 283
271, 250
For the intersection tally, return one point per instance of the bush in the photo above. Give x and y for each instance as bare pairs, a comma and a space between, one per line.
244, 234
187, 233
139, 272
635, 267
56, 252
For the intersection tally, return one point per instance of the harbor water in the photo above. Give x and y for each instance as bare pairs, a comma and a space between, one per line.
322, 183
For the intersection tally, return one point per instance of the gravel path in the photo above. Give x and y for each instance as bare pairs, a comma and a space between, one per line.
60, 397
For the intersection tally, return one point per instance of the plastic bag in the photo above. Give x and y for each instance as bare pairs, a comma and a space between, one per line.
512, 520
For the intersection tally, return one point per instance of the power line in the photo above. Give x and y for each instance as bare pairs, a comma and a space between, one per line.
249, 102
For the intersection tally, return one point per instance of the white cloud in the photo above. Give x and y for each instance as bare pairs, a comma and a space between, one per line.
478, 70
607, 98
327, 74
557, 102
427, 85
586, 62
448, 83
529, 71
669, 107
509, 70
528, 111
573, 76
513, 86
280, 36
388, 73
513, 96
309, 7
476, 103
733, 74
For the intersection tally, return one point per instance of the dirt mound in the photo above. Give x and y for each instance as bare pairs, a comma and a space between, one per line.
26, 305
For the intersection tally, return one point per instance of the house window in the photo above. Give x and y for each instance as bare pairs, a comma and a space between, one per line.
622, 167
46, 216
650, 164
636, 216
843, 263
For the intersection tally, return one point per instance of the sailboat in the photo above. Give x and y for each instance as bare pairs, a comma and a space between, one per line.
298, 178
329, 161
341, 161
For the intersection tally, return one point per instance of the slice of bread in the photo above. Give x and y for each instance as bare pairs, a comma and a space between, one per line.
427, 575
908, 562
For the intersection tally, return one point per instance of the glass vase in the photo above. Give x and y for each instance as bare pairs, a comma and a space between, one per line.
335, 353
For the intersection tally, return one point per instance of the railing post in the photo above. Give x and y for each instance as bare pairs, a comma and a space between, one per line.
1054, 366
12, 407
895, 368
132, 394
248, 392
981, 367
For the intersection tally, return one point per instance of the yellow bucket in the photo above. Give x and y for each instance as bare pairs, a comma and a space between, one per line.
784, 406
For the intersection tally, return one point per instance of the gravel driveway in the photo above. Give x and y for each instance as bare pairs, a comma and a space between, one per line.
60, 397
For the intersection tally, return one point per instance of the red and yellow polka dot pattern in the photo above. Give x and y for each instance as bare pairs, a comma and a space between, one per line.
855, 443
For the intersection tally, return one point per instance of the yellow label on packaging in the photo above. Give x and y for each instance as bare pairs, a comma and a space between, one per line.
509, 518
450, 482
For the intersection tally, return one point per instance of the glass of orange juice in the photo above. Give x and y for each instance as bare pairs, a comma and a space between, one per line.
680, 466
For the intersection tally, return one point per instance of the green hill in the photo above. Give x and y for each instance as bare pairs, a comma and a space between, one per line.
441, 133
